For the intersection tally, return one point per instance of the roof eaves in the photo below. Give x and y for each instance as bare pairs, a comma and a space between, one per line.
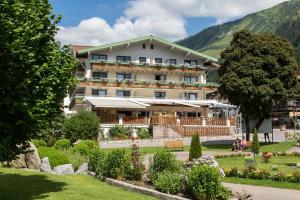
84, 51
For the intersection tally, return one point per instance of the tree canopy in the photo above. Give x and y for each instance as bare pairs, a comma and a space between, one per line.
35, 72
256, 72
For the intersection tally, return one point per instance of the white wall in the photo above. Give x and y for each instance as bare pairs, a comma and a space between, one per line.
136, 50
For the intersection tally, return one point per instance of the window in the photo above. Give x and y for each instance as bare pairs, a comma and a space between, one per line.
99, 57
160, 77
190, 62
123, 76
144, 46
123, 93
172, 61
99, 92
160, 95
190, 96
99, 75
158, 60
142, 59
124, 58
190, 79
152, 46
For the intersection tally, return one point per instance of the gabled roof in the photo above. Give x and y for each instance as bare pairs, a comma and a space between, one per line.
147, 38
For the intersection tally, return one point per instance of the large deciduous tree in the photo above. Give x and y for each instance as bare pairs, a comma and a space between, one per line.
256, 72
35, 72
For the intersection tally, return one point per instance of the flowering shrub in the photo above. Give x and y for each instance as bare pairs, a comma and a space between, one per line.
205, 160
263, 174
274, 167
266, 156
250, 162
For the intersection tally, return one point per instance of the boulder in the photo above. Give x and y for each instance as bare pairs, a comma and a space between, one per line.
32, 157
91, 173
83, 169
45, 166
64, 169
30, 160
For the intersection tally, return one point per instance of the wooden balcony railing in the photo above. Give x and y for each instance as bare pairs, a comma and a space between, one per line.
135, 120
212, 121
203, 131
171, 121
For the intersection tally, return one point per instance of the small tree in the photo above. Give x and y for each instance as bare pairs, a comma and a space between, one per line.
255, 143
83, 125
195, 149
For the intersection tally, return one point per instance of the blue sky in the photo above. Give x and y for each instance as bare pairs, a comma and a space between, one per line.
96, 22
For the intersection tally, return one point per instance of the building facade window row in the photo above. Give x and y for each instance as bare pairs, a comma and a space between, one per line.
142, 59
127, 93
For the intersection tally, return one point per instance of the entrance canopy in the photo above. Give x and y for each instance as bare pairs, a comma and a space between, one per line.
142, 103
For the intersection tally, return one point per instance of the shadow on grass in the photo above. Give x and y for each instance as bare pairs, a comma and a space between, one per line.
27, 187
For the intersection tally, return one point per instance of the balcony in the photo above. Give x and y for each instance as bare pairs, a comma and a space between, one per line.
142, 67
106, 82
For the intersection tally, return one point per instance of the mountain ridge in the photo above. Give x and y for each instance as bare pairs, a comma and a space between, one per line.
282, 20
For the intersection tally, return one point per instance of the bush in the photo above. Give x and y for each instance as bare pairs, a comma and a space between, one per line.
274, 167
143, 133
162, 161
255, 143
75, 159
85, 147
39, 143
119, 132
203, 182
169, 182
137, 168
62, 144
97, 159
195, 149
55, 157
83, 125
117, 164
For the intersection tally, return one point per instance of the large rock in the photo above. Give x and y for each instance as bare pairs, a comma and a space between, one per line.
45, 166
83, 169
30, 160
64, 169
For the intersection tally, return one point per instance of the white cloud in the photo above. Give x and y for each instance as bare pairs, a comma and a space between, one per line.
164, 18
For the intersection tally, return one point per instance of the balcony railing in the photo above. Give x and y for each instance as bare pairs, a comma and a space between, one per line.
138, 64
145, 83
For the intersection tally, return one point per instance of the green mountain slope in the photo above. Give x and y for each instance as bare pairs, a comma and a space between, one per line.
282, 20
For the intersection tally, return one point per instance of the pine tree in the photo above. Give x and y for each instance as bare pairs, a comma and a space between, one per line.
255, 143
195, 149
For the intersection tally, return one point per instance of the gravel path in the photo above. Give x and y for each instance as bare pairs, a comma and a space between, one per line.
264, 193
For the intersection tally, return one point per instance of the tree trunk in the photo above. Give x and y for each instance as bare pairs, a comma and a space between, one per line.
259, 122
247, 124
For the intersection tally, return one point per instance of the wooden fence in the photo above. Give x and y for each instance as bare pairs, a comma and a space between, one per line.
203, 131
135, 120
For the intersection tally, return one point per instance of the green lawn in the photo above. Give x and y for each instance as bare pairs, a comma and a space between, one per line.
19, 184
153, 150
268, 183
280, 161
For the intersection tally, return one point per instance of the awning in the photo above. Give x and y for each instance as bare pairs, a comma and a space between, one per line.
115, 103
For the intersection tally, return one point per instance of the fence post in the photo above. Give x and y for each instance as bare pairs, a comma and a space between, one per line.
203, 121
227, 121
120, 120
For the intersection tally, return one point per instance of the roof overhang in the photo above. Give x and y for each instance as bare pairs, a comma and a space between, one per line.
126, 43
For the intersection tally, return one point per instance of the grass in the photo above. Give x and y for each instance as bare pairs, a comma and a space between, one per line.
20, 184
281, 161
268, 183
153, 150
